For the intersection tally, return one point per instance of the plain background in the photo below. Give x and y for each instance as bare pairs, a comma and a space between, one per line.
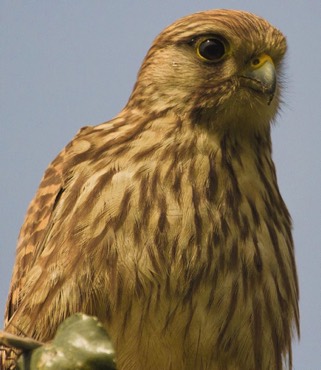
66, 64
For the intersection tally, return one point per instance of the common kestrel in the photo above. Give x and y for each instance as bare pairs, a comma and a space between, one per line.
167, 222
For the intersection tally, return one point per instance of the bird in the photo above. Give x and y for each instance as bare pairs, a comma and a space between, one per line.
166, 222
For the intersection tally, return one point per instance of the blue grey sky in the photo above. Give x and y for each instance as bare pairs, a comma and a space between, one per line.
67, 64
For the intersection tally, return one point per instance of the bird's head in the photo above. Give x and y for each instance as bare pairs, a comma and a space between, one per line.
219, 68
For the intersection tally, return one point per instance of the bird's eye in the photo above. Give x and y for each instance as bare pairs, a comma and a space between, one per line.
210, 49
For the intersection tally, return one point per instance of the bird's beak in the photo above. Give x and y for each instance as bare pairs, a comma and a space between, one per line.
260, 75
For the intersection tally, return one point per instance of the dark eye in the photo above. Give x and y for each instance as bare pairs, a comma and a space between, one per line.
210, 49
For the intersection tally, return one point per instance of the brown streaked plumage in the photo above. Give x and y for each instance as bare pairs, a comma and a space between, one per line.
167, 222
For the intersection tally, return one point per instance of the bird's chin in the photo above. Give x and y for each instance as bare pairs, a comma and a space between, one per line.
242, 111
258, 89
247, 110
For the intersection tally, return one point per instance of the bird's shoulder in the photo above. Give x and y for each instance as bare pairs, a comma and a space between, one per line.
42, 212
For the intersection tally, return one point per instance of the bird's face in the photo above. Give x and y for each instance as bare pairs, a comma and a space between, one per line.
219, 63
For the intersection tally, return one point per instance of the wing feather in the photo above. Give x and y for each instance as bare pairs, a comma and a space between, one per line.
34, 230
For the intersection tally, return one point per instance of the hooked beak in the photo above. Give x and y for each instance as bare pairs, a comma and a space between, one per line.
260, 76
